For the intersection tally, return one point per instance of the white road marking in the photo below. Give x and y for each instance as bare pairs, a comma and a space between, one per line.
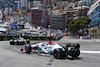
90, 51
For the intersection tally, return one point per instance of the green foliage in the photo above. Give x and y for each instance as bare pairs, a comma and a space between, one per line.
77, 24
57, 28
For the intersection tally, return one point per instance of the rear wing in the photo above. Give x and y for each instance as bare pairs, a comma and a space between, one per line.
72, 45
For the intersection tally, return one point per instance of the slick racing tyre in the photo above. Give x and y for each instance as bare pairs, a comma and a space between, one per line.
23, 43
77, 53
38, 52
59, 53
73, 55
15, 43
65, 50
28, 41
11, 43
28, 49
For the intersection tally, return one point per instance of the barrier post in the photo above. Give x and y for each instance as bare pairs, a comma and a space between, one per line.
31, 38
5, 38
38, 38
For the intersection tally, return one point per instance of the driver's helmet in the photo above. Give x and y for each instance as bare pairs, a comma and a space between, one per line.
50, 42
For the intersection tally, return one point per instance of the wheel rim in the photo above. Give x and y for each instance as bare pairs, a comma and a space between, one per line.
26, 48
38, 52
55, 54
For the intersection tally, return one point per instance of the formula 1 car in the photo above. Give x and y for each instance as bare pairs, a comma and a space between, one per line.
18, 41
58, 51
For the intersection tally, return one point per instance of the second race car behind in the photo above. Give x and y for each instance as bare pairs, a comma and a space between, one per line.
18, 41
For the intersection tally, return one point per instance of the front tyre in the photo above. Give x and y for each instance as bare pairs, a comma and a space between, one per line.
28, 49
15, 43
59, 53
38, 52
77, 53
11, 43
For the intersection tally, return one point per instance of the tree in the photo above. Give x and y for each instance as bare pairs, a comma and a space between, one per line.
78, 24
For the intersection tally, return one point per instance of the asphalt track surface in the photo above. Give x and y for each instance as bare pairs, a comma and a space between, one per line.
10, 55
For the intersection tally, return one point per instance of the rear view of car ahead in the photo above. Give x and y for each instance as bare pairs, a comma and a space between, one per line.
17, 41
73, 50
58, 51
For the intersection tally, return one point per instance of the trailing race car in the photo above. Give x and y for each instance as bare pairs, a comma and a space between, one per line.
58, 51
18, 41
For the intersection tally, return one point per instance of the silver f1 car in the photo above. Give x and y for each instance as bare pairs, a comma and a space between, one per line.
58, 51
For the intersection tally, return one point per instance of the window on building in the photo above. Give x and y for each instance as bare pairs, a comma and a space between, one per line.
99, 9
96, 9
99, 14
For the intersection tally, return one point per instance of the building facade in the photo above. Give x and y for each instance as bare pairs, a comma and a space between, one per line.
47, 4
74, 14
54, 2
44, 21
94, 15
17, 5
8, 11
1, 16
56, 21
39, 17
24, 6
36, 16
90, 2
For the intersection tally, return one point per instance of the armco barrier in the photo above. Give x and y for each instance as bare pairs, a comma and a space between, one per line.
25, 37
31, 38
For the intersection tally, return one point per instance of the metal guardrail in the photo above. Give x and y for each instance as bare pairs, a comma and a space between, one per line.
3, 38
25, 37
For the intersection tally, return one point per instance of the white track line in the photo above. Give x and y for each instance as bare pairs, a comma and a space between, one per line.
90, 51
